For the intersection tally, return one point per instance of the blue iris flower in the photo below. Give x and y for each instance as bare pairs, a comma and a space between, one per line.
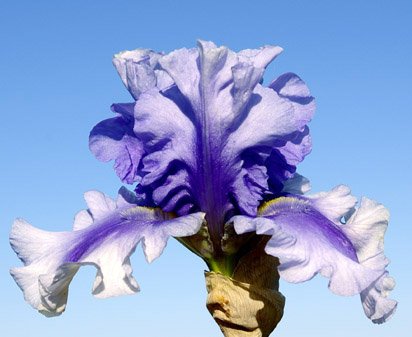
212, 153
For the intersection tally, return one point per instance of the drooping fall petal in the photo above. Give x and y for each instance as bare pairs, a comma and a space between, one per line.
105, 236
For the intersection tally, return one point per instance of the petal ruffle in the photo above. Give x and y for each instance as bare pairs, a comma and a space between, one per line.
139, 71
307, 243
276, 112
366, 229
114, 139
308, 238
192, 143
376, 304
105, 236
334, 204
261, 57
205, 125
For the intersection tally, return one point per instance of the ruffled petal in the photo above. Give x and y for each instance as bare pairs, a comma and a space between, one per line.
307, 243
366, 229
250, 185
114, 139
140, 72
334, 204
192, 142
278, 111
309, 237
261, 57
280, 115
105, 236
172, 136
201, 132
376, 304
295, 146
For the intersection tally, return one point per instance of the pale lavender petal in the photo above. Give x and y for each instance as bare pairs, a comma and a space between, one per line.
52, 258
114, 139
308, 243
276, 112
140, 72
366, 229
173, 131
295, 147
291, 87
182, 67
260, 57
309, 237
169, 137
334, 204
249, 186
196, 142
281, 116
376, 304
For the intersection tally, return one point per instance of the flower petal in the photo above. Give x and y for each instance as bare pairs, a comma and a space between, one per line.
307, 243
199, 135
249, 186
280, 115
366, 229
114, 139
280, 110
374, 299
52, 258
196, 145
334, 204
139, 71
260, 57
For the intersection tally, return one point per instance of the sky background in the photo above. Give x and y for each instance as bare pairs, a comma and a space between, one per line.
57, 82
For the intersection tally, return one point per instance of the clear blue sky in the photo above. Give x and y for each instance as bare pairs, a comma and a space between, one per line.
57, 81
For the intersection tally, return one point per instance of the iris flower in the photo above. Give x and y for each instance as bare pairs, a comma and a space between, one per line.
211, 154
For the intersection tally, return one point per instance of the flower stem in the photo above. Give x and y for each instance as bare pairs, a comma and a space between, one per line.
224, 265
243, 296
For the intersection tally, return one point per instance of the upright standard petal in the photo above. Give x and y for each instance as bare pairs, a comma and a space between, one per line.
191, 142
114, 139
139, 71
201, 148
105, 236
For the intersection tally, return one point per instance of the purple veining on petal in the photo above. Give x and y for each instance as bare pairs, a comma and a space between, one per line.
112, 226
129, 221
215, 92
307, 243
105, 236
201, 150
301, 217
204, 135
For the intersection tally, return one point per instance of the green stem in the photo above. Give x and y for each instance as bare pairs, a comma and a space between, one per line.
224, 265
